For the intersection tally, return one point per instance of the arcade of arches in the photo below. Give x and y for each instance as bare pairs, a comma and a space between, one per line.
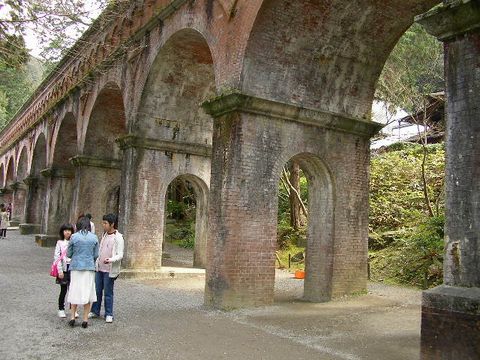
223, 93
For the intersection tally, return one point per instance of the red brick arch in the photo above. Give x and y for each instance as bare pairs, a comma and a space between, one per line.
180, 78
324, 54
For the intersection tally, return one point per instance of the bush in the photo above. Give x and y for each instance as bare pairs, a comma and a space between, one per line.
288, 236
181, 233
416, 259
396, 190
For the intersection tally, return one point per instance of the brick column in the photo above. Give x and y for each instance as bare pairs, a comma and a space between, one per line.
152, 165
253, 139
451, 312
19, 199
34, 205
95, 179
59, 199
7, 195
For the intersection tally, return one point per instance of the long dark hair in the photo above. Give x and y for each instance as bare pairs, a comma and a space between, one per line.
83, 224
65, 226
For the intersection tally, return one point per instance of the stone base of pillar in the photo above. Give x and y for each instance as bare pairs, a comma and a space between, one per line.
163, 273
29, 229
14, 223
46, 240
451, 323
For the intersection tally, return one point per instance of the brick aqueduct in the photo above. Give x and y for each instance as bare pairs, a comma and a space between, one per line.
224, 93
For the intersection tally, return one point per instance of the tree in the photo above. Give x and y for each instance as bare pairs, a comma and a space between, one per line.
56, 24
411, 74
413, 70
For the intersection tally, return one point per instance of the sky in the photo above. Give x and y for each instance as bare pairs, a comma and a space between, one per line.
31, 39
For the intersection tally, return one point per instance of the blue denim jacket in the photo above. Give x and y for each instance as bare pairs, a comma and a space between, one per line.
83, 250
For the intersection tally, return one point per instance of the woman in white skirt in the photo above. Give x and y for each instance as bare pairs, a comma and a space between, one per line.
83, 251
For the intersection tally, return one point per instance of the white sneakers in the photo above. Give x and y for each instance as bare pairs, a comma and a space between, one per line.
61, 314
108, 318
92, 315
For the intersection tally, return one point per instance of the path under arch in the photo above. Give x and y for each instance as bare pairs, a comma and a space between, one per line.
165, 319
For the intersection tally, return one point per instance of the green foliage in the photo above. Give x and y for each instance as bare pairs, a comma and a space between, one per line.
406, 244
396, 192
176, 209
291, 250
16, 86
288, 236
56, 24
413, 69
416, 258
181, 233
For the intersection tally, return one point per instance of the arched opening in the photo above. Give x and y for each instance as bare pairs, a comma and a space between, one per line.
407, 172
62, 176
20, 193
185, 237
2, 175
65, 143
22, 170
106, 124
306, 227
99, 168
10, 176
174, 136
317, 57
36, 183
180, 79
9, 181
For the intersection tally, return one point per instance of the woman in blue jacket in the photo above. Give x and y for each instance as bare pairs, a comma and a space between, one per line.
83, 252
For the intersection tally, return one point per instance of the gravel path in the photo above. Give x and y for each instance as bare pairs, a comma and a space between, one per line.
165, 319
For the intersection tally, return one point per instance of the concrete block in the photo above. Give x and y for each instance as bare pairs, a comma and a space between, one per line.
29, 229
46, 240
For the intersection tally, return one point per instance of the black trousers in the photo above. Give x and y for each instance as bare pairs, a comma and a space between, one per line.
61, 297
3, 232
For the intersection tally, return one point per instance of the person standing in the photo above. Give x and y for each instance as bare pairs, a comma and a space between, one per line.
108, 266
83, 251
63, 266
92, 225
9, 211
4, 221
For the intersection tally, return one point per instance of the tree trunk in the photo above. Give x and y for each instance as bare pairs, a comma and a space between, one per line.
295, 206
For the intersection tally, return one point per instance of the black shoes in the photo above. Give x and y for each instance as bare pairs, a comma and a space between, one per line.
72, 323
84, 324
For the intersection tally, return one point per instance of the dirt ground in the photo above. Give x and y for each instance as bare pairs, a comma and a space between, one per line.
166, 319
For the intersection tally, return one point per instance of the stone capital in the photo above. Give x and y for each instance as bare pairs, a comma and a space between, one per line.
238, 102
132, 141
18, 186
6, 190
83, 160
451, 19
30, 180
54, 172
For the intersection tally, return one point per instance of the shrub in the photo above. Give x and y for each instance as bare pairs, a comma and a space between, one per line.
416, 259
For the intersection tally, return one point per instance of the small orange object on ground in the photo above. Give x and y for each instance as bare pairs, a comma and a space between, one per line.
299, 274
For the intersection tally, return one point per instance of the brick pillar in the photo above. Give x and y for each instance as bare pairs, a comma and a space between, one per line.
19, 199
451, 312
253, 139
34, 205
7, 195
152, 165
60, 199
95, 182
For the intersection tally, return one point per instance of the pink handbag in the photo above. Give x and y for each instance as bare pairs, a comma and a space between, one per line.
54, 267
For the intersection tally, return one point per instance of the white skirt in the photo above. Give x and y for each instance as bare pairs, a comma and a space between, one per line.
82, 287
